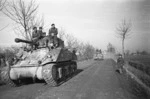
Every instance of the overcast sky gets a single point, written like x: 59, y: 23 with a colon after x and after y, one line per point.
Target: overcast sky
x: 92, y: 21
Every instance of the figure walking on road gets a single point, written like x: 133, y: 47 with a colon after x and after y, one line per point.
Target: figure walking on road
x: 120, y: 63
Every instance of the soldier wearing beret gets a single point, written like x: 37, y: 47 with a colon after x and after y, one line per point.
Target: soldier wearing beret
x: 53, y: 35
x: 34, y: 32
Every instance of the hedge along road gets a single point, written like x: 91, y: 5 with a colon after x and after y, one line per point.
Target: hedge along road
x: 98, y: 80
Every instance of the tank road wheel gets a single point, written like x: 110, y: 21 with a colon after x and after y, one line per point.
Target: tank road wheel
x: 64, y: 74
x: 71, y: 69
x: 50, y: 74
x: 67, y: 72
x: 6, y: 77
x: 55, y: 73
x: 74, y: 66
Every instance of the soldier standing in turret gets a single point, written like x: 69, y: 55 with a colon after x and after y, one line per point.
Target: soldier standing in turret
x: 53, y: 34
x: 37, y: 34
x: 34, y: 32
x: 35, y: 37
x: 40, y: 33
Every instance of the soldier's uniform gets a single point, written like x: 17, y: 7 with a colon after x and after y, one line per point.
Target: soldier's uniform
x: 34, y: 34
x: 120, y: 63
x: 37, y: 34
x: 53, y: 35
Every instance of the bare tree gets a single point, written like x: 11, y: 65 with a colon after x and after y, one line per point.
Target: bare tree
x: 89, y: 51
x: 84, y: 51
x: 123, y: 32
x: 24, y: 14
x: 2, y: 4
x: 37, y: 21
x: 4, y: 27
x: 62, y: 34
x: 71, y: 41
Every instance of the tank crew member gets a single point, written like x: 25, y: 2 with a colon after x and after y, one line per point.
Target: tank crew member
x: 53, y: 35
x: 34, y: 33
x: 40, y: 33
x: 35, y: 37
x: 37, y: 34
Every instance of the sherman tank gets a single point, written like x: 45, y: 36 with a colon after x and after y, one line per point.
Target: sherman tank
x: 98, y: 55
x: 42, y: 61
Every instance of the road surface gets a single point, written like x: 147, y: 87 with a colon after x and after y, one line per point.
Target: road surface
x: 94, y: 80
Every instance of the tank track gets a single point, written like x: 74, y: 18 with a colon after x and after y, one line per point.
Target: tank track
x: 50, y: 72
x: 48, y: 75
x: 6, y: 77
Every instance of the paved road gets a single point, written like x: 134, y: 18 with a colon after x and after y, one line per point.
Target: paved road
x: 98, y: 80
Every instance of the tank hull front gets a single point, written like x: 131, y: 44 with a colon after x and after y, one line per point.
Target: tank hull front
x: 26, y: 72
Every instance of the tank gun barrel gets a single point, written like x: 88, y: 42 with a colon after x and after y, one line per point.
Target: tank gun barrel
x: 17, y: 40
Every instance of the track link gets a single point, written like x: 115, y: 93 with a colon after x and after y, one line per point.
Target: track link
x: 48, y: 75
x: 6, y: 77
x: 51, y: 75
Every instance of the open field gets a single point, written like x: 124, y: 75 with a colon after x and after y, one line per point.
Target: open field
x: 144, y: 59
x: 139, y: 66
x: 140, y: 62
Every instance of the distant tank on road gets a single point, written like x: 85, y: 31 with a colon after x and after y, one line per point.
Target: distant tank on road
x: 98, y: 55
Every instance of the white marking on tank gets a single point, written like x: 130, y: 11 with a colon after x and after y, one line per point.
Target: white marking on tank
x: 46, y: 71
